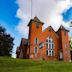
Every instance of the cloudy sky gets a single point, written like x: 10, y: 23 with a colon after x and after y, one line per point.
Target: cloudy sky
x: 15, y: 15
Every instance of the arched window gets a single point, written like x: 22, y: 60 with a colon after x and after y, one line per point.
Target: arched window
x: 36, y: 40
x: 35, y: 50
x: 37, y: 25
x: 49, y: 47
x: 66, y: 45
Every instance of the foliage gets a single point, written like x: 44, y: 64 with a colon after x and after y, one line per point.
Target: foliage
x: 23, y: 65
x: 71, y: 43
x: 6, y: 42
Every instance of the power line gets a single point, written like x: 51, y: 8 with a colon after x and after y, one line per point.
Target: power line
x: 31, y: 8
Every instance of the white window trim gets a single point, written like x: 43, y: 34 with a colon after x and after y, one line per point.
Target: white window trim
x: 36, y: 42
x: 50, y: 53
x: 34, y: 50
x: 51, y: 48
x: 50, y: 43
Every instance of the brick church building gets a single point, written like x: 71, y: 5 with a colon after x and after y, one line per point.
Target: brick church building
x: 46, y: 44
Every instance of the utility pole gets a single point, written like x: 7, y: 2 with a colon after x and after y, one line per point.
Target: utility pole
x: 31, y: 9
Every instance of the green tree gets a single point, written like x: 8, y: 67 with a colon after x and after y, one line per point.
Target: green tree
x: 6, y: 42
x: 71, y: 44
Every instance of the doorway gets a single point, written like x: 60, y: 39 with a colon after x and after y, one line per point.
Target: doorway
x: 61, y: 56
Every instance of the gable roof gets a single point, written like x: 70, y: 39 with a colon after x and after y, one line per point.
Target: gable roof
x: 62, y: 28
x: 35, y: 20
x: 24, y: 41
x: 50, y: 27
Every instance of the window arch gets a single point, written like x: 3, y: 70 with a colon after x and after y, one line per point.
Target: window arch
x: 49, y: 47
x: 36, y: 40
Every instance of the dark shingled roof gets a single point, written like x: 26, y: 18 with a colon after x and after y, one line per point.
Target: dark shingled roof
x: 63, y: 28
x: 24, y: 41
x: 36, y: 20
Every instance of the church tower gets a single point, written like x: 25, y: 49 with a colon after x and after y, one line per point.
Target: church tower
x: 64, y: 47
x: 35, y: 28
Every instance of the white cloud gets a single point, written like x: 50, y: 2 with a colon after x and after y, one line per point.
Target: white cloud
x: 56, y: 19
x: 48, y: 11
x: 23, y: 29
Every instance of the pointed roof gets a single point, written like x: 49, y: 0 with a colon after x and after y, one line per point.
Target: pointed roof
x: 24, y: 41
x: 36, y: 20
x: 63, y: 28
x: 51, y: 28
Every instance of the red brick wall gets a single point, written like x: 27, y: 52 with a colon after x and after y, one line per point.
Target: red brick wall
x: 65, y: 40
x: 59, y: 43
x: 42, y: 36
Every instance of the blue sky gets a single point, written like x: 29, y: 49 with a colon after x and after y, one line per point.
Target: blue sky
x: 9, y: 20
x: 67, y: 16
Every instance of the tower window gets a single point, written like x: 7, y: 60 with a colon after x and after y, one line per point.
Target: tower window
x: 36, y: 41
x: 37, y: 25
x: 65, y: 33
x: 66, y: 45
x: 66, y: 52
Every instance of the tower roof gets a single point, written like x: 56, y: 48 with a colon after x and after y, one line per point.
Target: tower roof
x: 35, y: 20
x: 63, y: 28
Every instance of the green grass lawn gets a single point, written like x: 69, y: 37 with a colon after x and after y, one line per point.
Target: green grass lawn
x: 21, y: 65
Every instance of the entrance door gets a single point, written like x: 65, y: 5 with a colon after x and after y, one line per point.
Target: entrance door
x: 61, y: 56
